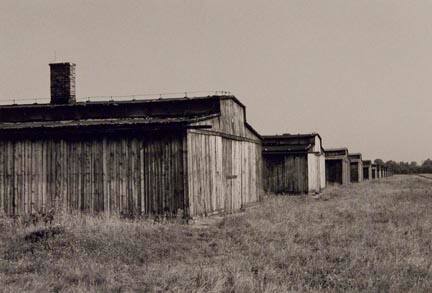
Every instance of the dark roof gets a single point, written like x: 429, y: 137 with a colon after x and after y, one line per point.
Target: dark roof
x: 288, y: 143
x: 355, y: 156
x: 336, y: 152
x: 150, y: 121
x: 284, y: 149
x: 367, y: 162
x: 291, y: 136
x: 160, y: 108
x: 336, y: 149
x: 109, y: 116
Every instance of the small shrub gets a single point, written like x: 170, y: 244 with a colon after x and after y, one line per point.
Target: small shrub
x: 44, y: 234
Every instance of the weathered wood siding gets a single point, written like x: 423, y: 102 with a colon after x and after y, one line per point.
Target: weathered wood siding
x: 231, y: 121
x: 127, y: 174
x: 204, y: 165
x: 360, y: 171
x: 322, y: 171
x: 224, y: 174
x: 367, y: 172
x: 313, y: 173
x: 356, y: 172
x: 286, y: 174
x: 316, y: 172
x: 337, y: 171
x: 224, y: 162
x: 334, y: 172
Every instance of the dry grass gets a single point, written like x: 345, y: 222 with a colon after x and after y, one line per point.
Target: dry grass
x: 374, y: 236
x: 426, y: 175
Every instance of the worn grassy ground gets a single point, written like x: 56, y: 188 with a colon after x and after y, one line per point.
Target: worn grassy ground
x: 374, y: 236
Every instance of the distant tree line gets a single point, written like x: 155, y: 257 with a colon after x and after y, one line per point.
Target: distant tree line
x: 407, y: 167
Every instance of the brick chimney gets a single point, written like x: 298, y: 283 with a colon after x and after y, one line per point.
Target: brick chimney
x: 62, y: 83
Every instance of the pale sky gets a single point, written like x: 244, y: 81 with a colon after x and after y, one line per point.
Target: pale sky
x: 357, y: 72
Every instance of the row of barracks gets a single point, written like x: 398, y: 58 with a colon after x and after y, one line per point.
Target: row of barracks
x: 196, y: 155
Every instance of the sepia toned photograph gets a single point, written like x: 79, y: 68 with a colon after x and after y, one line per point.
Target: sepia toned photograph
x: 215, y: 146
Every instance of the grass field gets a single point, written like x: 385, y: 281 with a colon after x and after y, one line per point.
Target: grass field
x: 373, y: 236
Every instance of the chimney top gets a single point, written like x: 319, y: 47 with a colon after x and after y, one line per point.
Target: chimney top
x: 62, y: 83
x: 62, y: 63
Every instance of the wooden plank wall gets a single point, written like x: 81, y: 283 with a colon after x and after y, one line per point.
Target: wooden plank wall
x: 346, y: 171
x: 285, y: 174
x: 312, y: 166
x: 134, y: 175
x: 338, y: 171
x: 204, y: 159
x: 234, y: 152
x: 367, y: 172
x: 224, y: 174
x: 314, y: 173
x: 231, y: 120
x: 360, y: 171
x: 354, y: 173
x: 322, y: 170
x: 242, y: 174
x: 334, y: 171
